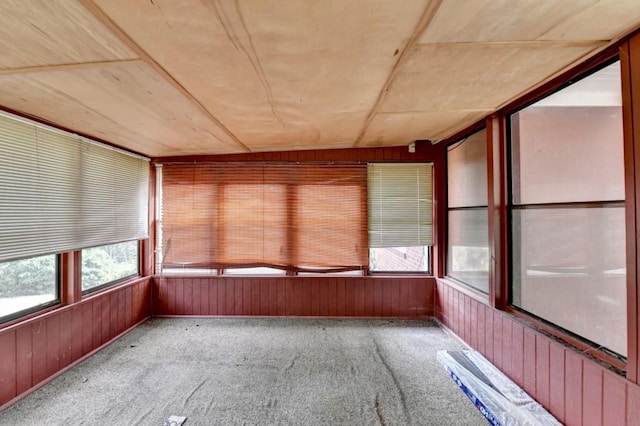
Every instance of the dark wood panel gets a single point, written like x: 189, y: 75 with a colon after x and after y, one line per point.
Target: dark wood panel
x: 326, y: 296
x: 425, y: 151
x: 40, y: 347
x: 65, y: 338
x: 556, y: 380
x: 573, y: 389
x: 517, y: 353
x: 614, y: 394
x: 592, y: 394
x: 8, y: 366
x: 52, y: 363
x: 24, y: 364
x: 633, y: 404
x: 571, y: 386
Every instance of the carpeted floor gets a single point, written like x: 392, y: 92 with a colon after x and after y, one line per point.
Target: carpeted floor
x: 259, y: 372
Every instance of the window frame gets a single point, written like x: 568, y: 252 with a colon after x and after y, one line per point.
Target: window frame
x: 482, y: 295
x: 589, y: 347
x: 368, y: 271
x: 40, y: 308
x: 111, y: 283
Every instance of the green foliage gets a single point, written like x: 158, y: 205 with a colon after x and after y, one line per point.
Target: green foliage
x: 28, y: 277
x: 104, y: 264
x: 38, y: 275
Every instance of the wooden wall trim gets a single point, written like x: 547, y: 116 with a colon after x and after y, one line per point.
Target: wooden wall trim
x: 497, y: 212
x: 425, y: 152
x: 317, y: 296
x: 630, y: 69
x: 35, y: 351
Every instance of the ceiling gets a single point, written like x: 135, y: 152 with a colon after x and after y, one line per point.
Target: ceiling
x: 188, y: 77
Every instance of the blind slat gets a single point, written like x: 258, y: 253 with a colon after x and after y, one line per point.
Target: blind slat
x: 220, y: 215
x: 400, y: 205
x: 60, y: 193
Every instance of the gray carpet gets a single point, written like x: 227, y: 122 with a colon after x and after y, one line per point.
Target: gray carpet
x: 259, y: 372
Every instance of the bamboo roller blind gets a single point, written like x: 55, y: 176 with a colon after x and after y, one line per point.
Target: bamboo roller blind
x: 289, y: 216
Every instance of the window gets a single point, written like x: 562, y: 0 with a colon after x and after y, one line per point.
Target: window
x: 27, y: 285
x: 239, y: 217
x: 567, y: 213
x: 400, y: 217
x: 106, y: 264
x: 62, y: 193
x: 468, y: 225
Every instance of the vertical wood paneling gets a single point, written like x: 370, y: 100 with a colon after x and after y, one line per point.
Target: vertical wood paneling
x: 326, y: 296
x: 53, y: 345
x: 273, y: 298
x: 633, y: 403
x: 96, y: 326
x: 614, y: 402
x: 529, y: 361
x: 517, y: 354
x: 39, y: 344
x: 65, y: 338
x: 489, y: 332
x: 473, y: 332
x: 204, y: 296
x: 497, y: 339
x: 573, y: 389
x: 222, y: 298
x: 507, y: 345
x: 113, y: 315
x: 592, y: 396
x: 482, y: 327
x: 556, y: 380
x: 104, y: 319
x: 39, y: 348
x: 230, y: 294
x: 542, y: 370
x: 378, y: 297
x: 195, y: 297
x: 128, y: 292
x: 359, y: 298
x: 8, y: 366
x: 24, y: 356
x: 76, y: 333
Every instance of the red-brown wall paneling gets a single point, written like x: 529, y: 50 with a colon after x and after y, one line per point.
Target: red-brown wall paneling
x: 35, y: 350
x: 322, y: 296
x: 575, y: 389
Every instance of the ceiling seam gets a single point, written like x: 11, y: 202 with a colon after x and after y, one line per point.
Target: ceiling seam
x: 514, y: 43
x: 115, y: 29
x: 423, y: 23
x: 68, y: 66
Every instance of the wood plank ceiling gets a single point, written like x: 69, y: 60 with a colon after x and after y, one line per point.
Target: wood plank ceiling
x: 165, y: 77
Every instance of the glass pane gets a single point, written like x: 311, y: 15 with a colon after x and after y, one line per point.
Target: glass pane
x: 467, y: 171
x: 568, y: 147
x: 27, y: 283
x: 399, y: 259
x: 263, y: 270
x: 468, y: 247
x: 569, y: 269
x: 105, y: 264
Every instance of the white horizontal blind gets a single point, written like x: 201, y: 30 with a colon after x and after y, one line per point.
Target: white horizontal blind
x: 60, y: 193
x: 400, y: 205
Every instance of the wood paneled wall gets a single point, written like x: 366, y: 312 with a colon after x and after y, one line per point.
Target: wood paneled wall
x: 322, y: 296
x: 575, y: 389
x: 33, y: 352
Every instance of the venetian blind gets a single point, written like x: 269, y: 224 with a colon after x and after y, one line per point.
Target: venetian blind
x: 229, y: 215
x: 400, y: 205
x: 61, y: 193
